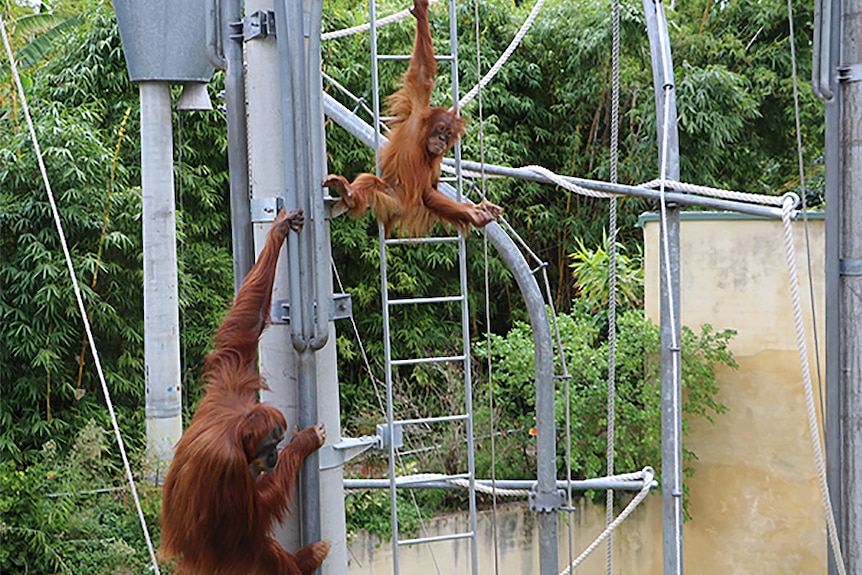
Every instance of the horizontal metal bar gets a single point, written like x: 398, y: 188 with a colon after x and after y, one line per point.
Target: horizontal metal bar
x: 436, y: 483
x: 467, y: 535
x: 622, y: 189
x: 439, y: 419
x: 421, y: 300
x: 417, y: 241
x: 418, y: 360
x: 406, y: 481
x: 405, y: 57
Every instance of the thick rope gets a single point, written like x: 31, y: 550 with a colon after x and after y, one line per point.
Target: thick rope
x: 745, y: 197
x: 77, y: 289
x: 504, y: 57
x: 612, y: 275
x: 647, y: 475
x: 813, y: 427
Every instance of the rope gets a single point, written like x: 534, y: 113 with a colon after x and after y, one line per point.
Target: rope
x: 804, y: 207
x: 715, y: 192
x: 504, y: 57
x: 366, y: 27
x: 647, y: 475
x: 487, y: 286
x: 612, y: 275
x: 813, y: 427
x: 77, y: 289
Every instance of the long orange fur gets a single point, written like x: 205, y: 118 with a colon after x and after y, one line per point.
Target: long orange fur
x: 215, y: 514
x: 406, y: 194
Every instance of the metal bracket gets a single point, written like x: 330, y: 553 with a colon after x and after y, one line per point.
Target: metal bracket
x: 850, y: 267
x: 547, y: 501
x: 341, y: 307
x: 851, y: 73
x: 384, y: 435
x: 260, y: 24
x: 265, y: 209
x: 349, y: 447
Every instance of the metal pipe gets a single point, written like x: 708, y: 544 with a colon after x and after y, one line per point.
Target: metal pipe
x: 524, y: 484
x: 671, y: 368
x: 362, y: 131
x: 231, y: 55
x: 320, y: 231
x: 291, y: 39
x: 833, y: 422
x: 214, y: 35
x: 291, y: 196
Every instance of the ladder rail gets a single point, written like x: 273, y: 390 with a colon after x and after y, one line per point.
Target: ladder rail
x: 388, y: 303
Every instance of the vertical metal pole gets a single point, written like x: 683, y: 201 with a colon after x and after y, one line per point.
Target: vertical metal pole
x: 237, y: 142
x: 824, y: 86
x: 671, y: 369
x: 161, y: 307
x: 850, y: 282
x: 278, y: 361
x: 824, y: 82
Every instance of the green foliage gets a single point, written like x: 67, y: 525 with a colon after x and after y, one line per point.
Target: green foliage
x: 638, y: 415
x: 81, y: 102
x: 591, y: 272
x: 52, y: 520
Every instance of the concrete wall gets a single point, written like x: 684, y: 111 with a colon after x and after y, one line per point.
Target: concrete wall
x: 754, y: 497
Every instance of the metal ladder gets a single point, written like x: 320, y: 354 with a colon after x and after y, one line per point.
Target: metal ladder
x: 395, y: 428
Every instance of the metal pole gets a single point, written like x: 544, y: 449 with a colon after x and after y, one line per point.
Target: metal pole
x: 850, y: 279
x: 278, y: 362
x: 671, y: 369
x: 161, y: 309
x: 824, y: 81
x: 350, y: 122
x: 237, y: 141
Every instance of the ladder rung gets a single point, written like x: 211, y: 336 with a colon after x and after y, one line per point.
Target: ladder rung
x: 418, y: 360
x: 420, y: 300
x: 417, y: 241
x: 439, y: 419
x: 466, y: 535
x: 397, y: 57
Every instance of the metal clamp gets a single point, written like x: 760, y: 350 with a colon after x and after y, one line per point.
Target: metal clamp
x: 340, y: 307
x: 265, y: 209
x: 397, y: 435
x: 851, y: 73
x: 258, y: 25
x: 547, y: 501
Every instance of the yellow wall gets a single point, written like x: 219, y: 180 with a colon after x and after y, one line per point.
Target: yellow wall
x: 754, y: 497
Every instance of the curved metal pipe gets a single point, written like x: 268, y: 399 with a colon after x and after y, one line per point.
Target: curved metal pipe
x: 316, y: 173
x: 544, y: 358
x: 214, y: 35
x: 291, y: 196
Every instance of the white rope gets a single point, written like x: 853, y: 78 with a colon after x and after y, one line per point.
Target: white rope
x: 813, y: 427
x: 367, y: 26
x: 647, y: 475
x: 715, y: 192
x: 558, y: 180
x: 505, y: 56
x: 76, y: 288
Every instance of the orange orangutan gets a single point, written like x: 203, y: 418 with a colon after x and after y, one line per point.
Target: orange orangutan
x: 228, y: 482
x: 406, y: 193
